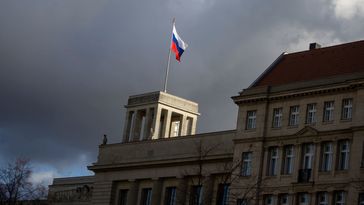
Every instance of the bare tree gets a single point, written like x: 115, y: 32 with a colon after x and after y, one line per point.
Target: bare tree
x: 228, y: 173
x: 15, y: 184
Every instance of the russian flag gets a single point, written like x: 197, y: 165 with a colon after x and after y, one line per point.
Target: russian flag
x: 178, y: 46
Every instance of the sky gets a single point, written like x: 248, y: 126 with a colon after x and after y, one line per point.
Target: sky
x: 68, y: 67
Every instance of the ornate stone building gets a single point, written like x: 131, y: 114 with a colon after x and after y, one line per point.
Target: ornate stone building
x: 298, y: 140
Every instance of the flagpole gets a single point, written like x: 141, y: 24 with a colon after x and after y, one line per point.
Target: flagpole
x: 169, y: 59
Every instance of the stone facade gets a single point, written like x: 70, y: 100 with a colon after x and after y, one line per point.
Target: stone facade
x: 296, y: 143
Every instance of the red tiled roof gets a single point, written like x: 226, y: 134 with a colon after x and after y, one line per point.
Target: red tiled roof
x: 315, y: 64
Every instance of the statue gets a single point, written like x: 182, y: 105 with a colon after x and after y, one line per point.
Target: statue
x: 104, y: 141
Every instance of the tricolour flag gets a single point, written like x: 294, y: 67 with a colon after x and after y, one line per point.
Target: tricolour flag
x: 178, y: 46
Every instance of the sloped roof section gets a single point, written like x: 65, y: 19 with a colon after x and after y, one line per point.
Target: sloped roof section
x: 315, y: 64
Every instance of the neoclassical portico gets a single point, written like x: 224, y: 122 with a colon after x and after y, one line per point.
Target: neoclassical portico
x: 159, y: 115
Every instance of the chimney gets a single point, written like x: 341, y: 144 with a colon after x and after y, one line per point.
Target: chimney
x: 314, y: 46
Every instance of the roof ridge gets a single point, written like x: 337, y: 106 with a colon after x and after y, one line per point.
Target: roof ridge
x: 325, y: 48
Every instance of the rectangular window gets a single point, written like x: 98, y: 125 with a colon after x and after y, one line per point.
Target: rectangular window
x: 340, y: 198
x: 307, y: 155
x: 273, y: 161
x: 283, y: 199
x: 288, y: 159
x: 196, y: 195
x: 328, y: 111
x: 361, y: 199
x: 170, y: 196
x: 222, y: 194
x: 277, y: 117
x: 311, y: 113
x: 268, y: 200
x: 294, y: 115
x: 344, y: 151
x: 123, y: 196
x: 146, y: 197
x: 322, y: 198
x: 246, y: 166
x: 251, y: 118
x: 326, y: 156
x: 347, y: 108
x: 303, y: 199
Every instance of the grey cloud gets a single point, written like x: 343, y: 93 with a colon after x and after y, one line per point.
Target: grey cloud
x: 67, y: 67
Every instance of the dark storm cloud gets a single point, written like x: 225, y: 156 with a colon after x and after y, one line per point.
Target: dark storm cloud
x: 67, y: 67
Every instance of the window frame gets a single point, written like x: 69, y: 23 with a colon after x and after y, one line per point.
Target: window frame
x: 246, y: 164
x: 288, y: 160
x: 196, y: 197
x: 170, y: 195
x: 281, y: 197
x: 342, y: 200
x: 326, y: 156
x: 302, y: 195
x: 328, y: 112
x: 326, y: 198
x: 123, y: 196
x: 273, y: 161
x: 268, y: 197
x: 347, y: 109
x: 277, y: 117
x: 311, y: 113
x: 222, y: 197
x: 310, y: 156
x: 294, y: 115
x: 343, y: 155
x: 251, y: 120
x: 146, y: 196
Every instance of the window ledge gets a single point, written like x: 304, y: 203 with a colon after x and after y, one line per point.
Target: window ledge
x: 328, y: 122
x: 346, y: 120
x: 292, y: 126
x: 250, y: 130
x: 325, y: 172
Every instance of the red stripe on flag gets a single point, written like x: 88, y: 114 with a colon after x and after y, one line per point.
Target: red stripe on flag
x: 175, y: 50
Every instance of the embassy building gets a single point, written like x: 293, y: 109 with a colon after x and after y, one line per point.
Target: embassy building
x: 298, y: 140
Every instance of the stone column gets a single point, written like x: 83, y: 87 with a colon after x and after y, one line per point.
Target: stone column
x: 125, y: 131
x: 136, y: 126
x: 146, y: 128
x: 184, y: 126
x: 167, y: 124
x: 194, y: 123
x: 133, y: 193
x: 127, y: 125
x: 156, y: 122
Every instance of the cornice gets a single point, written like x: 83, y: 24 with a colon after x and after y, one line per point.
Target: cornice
x: 300, y: 89
x: 299, y: 134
